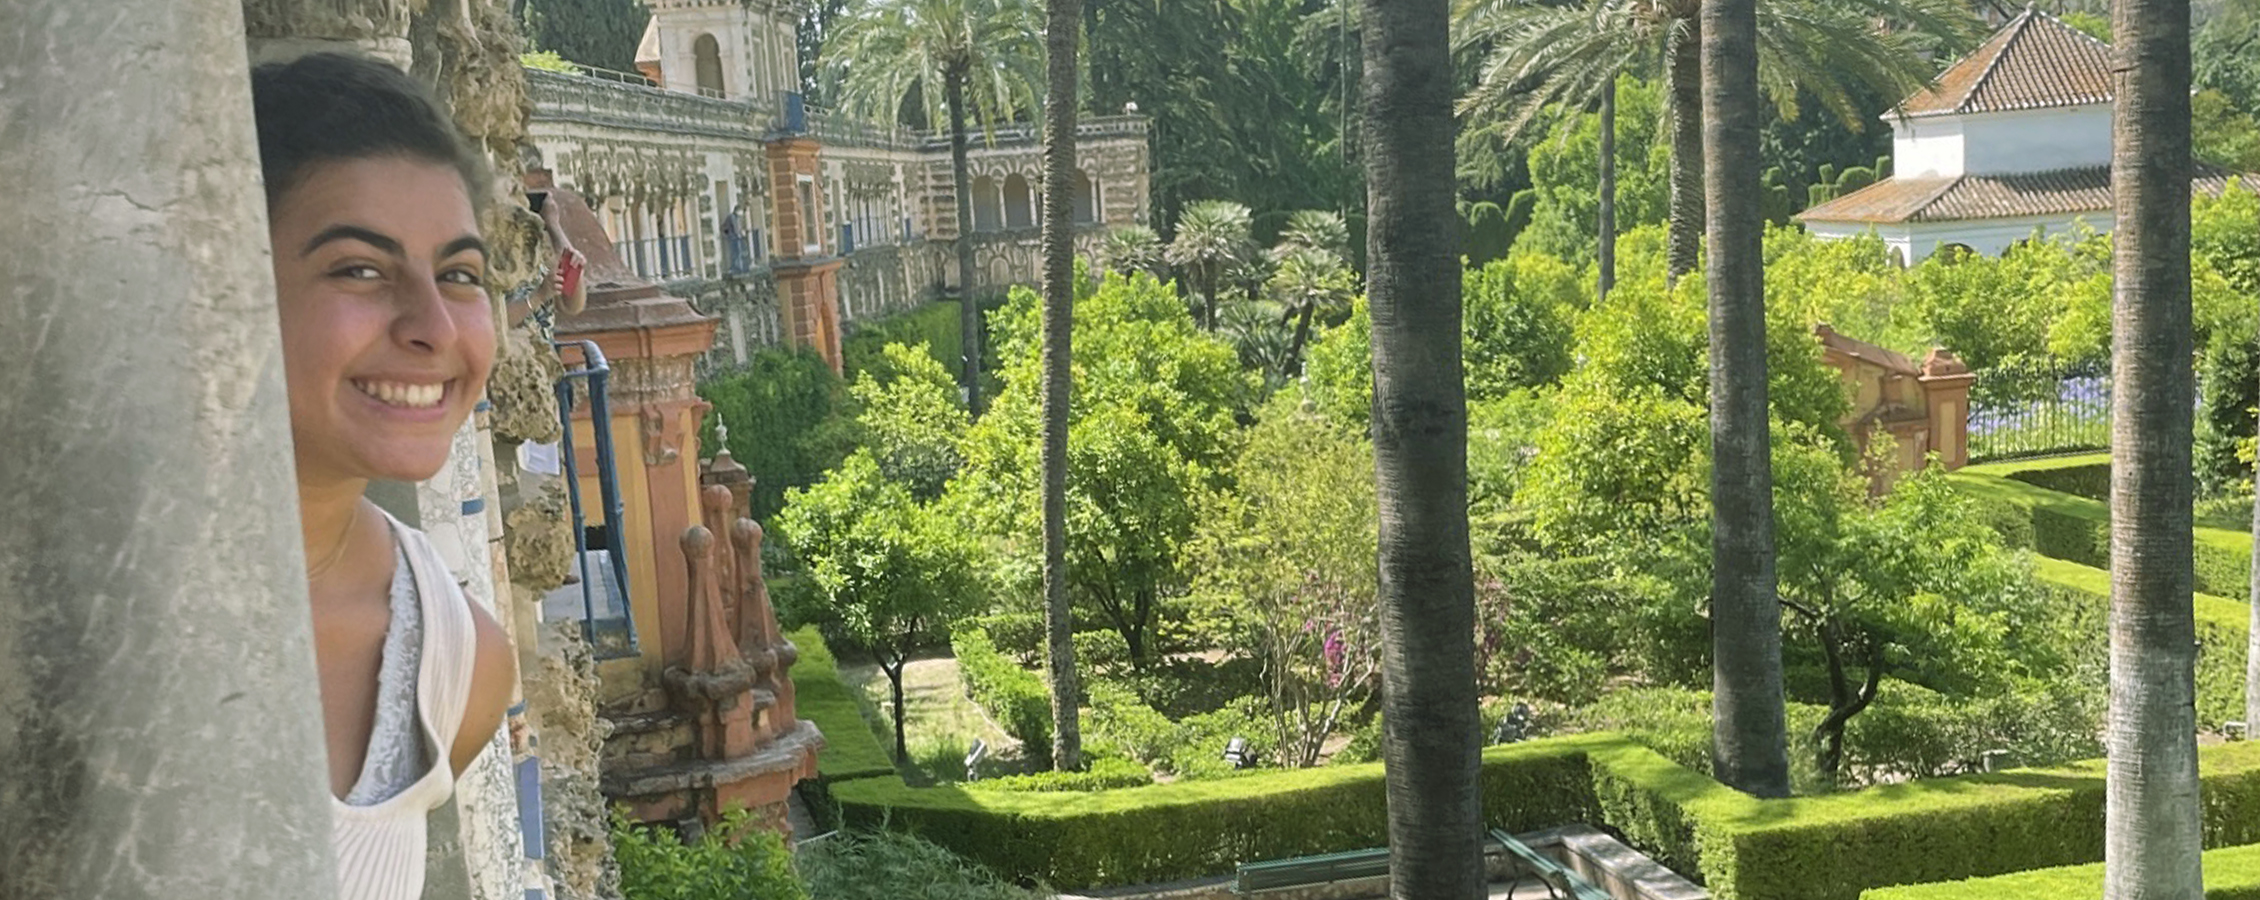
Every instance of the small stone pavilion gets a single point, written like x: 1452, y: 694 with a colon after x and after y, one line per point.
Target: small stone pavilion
x: 701, y: 714
x: 1924, y: 408
x: 2012, y: 141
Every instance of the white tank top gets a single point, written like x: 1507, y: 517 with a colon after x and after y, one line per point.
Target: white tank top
x: 379, y: 835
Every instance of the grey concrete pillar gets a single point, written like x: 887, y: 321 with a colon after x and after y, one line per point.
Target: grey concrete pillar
x: 160, y: 733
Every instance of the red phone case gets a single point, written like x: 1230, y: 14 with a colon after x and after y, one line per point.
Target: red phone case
x: 570, y: 268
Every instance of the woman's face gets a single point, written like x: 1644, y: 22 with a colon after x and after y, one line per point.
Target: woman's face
x: 387, y: 332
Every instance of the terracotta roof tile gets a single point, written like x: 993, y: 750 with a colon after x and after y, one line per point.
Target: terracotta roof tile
x: 2034, y: 62
x: 1896, y: 200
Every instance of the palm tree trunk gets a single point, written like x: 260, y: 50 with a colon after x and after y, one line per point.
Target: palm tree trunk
x: 1685, y: 105
x: 1060, y: 35
x: 1432, y: 745
x: 1302, y: 336
x: 1749, y: 743
x: 969, y: 304
x: 1605, y: 223
x: 2151, y: 815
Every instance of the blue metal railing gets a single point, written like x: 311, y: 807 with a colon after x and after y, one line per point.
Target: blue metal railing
x: 847, y: 240
x: 609, y: 636
x: 796, y: 113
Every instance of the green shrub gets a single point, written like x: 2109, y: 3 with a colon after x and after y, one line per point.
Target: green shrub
x: 1106, y: 773
x: 732, y: 861
x: 1017, y: 698
x: 790, y: 417
x: 886, y: 865
x: 1192, y: 747
x: 1487, y: 235
x: 2231, y: 873
x: 935, y: 326
x: 1019, y: 634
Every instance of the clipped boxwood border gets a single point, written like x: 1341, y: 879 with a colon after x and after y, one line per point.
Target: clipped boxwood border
x: 2078, y: 529
x: 2222, y: 627
x: 1830, y: 847
x: 2231, y: 873
x: 850, y: 749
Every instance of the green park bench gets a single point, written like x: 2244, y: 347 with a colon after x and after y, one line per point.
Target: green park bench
x: 1274, y: 874
x: 1559, y: 880
x: 1324, y: 868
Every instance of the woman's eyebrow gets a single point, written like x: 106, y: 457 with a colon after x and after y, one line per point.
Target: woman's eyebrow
x: 466, y: 242
x: 352, y: 233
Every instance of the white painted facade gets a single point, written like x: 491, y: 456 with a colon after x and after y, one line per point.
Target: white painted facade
x: 2002, y: 143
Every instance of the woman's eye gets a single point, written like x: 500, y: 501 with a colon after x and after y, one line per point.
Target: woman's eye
x: 358, y: 273
x: 463, y: 277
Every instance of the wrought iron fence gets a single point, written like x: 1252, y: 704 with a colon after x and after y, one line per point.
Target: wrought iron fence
x: 2034, y: 408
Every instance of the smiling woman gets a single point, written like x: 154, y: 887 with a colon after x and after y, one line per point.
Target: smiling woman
x: 388, y: 337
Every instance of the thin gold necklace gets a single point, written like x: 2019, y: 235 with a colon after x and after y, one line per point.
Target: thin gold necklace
x: 317, y: 572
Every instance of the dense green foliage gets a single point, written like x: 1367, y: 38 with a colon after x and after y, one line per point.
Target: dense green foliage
x: 791, y: 419
x: 1152, y: 430
x: 933, y: 326
x: 1287, y: 571
x: 889, y: 865
x: 735, y: 860
x: 600, y: 33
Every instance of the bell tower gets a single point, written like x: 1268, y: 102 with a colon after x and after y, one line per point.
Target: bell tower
x: 741, y: 49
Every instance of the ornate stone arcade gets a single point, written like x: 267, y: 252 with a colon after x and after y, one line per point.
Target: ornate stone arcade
x: 684, y: 173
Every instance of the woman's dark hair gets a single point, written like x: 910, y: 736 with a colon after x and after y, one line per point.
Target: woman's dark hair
x: 329, y: 107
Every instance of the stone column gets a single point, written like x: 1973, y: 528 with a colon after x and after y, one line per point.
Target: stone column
x: 1946, y: 384
x: 159, y: 731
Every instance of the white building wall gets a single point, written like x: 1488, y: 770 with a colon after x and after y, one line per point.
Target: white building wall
x: 1926, y: 148
x: 2038, y: 140
x: 2042, y: 140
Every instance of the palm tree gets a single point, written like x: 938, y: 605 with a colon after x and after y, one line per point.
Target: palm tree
x: 982, y: 54
x: 1309, y: 280
x: 1062, y: 32
x: 1316, y: 229
x: 2151, y: 813
x: 1549, y: 54
x: 1212, y: 235
x: 1750, y: 731
x: 1432, y: 745
x: 1132, y: 248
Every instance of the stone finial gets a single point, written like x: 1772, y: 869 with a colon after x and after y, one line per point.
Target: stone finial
x: 721, y: 436
x: 1942, y: 361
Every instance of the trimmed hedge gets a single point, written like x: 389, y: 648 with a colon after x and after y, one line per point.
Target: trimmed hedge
x: 1192, y: 828
x: 2078, y: 529
x: 1106, y: 773
x: 2231, y: 873
x: 1816, y: 848
x: 1015, y: 697
x: 850, y: 749
x: 2222, y: 627
x: 1829, y: 847
x: 2087, y: 475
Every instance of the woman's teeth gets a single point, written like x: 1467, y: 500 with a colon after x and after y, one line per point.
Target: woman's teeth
x: 410, y: 396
